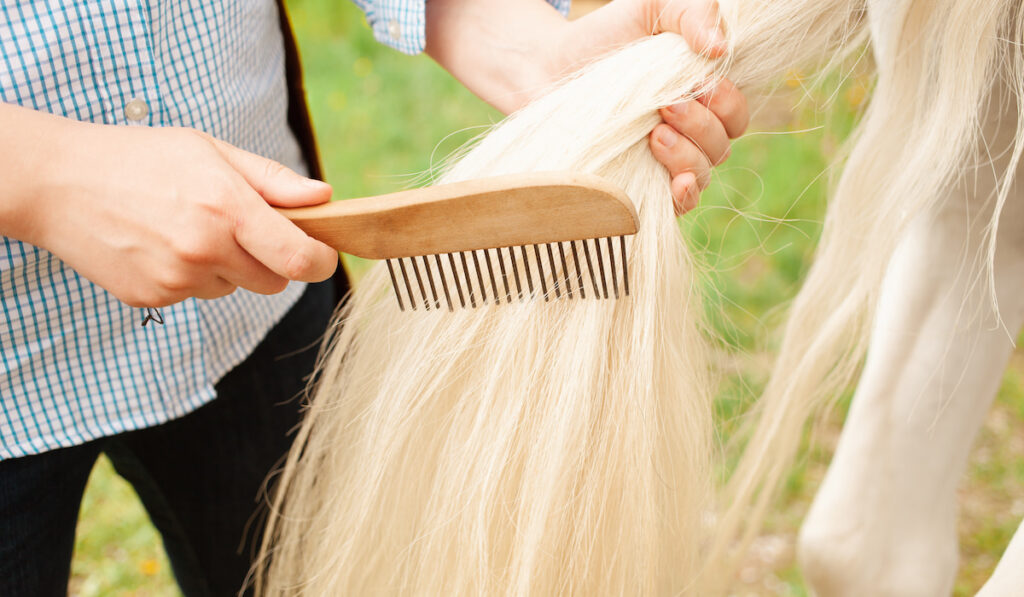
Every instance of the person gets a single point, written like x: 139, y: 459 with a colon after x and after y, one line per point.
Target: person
x: 143, y: 146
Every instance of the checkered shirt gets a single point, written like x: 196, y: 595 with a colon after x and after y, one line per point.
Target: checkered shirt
x: 402, y: 24
x: 75, y: 364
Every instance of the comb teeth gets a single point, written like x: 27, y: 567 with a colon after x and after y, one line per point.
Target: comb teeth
x: 554, y: 271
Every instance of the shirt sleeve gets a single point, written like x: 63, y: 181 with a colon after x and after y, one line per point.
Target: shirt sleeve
x: 401, y: 24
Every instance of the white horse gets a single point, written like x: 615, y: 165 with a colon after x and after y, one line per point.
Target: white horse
x: 884, y: 520
x: 566, y: 458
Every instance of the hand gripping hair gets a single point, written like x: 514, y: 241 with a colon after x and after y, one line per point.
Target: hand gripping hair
x: 567, y: 447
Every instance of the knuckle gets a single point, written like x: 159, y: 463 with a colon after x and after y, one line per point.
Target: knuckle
x: 725, y: 156
x: 272, y: 169
x: 237, y: 223
x: 217, y: 291
x: 215, y: 203
x: 692, y: 156
x: 703, y: 178
x: 189, y: 136
x: 134, y: 300
x: 213, y: 209
x: 733, y: 112
x: 175, y: 281
x: 147, y: 297
x: 192, y: 131
x: 727, y: 108
x: 223, y: 187
x: 703, y: 124
x: 197, y: 250
x: 299, y: 264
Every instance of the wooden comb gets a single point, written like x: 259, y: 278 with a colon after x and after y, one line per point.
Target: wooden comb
x: 497, y: 223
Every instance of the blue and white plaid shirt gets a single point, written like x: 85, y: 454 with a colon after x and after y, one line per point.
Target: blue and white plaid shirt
x: 402, y: 23
x: 75, y: 364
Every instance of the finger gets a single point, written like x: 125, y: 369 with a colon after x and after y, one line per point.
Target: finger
x: 216, y: 287
x: 729, y: 104
x: 244, y: 271
x: 685, y: 193
x: 696, y: 122
x: 277, y: 184
x: 698, y: 21
x: 279, y: 245
x: 679, y: 154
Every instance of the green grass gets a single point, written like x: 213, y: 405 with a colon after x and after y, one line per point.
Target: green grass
x: 117, y: 550
x: 384, y: 119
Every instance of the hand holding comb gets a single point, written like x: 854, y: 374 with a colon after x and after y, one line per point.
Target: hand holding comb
x: 504, y: 220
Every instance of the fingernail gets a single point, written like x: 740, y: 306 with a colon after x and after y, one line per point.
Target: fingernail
x: 716, y: 38
x: 692, y: 198
x: 681, y: 186
x: 313, y: 183
x: 666, y: 137
x: 680, y: 108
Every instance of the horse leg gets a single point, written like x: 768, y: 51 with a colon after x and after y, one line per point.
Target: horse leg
x: 1008, y: 578
x: 884, y: 519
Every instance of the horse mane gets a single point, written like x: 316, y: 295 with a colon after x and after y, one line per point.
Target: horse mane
x: 567, y: 447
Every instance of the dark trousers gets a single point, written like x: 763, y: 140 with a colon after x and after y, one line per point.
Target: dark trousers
x: 199, y: 477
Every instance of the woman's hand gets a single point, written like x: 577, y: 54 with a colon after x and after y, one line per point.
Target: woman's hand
x: 507, y: 52
x: 157, y: 215
x: 620, y: 22
x: 694, y: 138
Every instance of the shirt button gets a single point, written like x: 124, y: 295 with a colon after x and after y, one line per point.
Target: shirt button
x: 394, y: 29
x: 136, y: 110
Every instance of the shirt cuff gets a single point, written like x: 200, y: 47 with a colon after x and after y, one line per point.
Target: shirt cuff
x: 402, y: 24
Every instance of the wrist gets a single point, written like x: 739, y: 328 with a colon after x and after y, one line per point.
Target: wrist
x: 502, y: 51
x: 30, y: 151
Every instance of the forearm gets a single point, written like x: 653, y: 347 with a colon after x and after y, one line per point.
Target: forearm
x: 155, y: 214
x: 29, y: 144
x: 509, y: 51
x: 501, y: 50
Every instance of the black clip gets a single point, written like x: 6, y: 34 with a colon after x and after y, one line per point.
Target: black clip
x: 153, y: 314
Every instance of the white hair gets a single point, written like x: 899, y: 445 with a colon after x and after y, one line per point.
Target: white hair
x: 567, y: 447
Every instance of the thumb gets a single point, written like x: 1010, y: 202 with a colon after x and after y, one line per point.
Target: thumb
x: 698, y: 21
x: 277, y: 184
x: 621, y: 22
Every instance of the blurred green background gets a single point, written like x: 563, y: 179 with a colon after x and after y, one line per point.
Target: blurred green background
x: 384, y: 119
